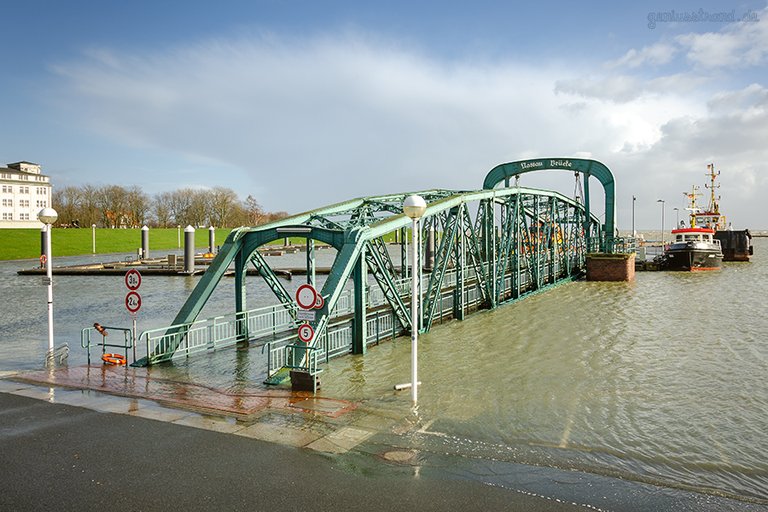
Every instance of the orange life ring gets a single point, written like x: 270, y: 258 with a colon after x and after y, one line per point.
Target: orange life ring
x: 114, y: 359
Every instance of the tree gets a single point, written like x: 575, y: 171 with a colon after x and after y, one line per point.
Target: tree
x: 113, y: 203
x: 67, y: 203
x: 90, y: 212
x: 253, y: 210
x: 137, y: 205
x: 161, y: 207
x: 180, y: 202
x: 223, y: 206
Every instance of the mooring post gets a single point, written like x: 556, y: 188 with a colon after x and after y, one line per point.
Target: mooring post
x: 145, y: 242
x: 189, y: 250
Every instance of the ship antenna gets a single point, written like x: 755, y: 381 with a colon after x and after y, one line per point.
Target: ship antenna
x: 713, y: 201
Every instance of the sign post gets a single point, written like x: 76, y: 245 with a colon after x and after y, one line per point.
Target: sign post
x: 133, y: 300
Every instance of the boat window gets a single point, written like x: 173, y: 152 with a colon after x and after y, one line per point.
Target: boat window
x: 689, y: 238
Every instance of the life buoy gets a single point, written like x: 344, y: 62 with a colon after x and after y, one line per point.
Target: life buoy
x: 114, y: 359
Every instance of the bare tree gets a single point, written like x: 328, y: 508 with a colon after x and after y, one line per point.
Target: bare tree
x: 180, y: 202
x: 223, y: 203
x: 90, y: 212
x: 161, y: 208
x: 200, y: 208
x: 67, y: 203
x: 253, y: 211
x: 137, y: 204
x: 114, y: 206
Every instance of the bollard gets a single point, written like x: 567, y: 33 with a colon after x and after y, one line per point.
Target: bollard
x: 189, y: 249
x: 211, y: 239
x: 145, y: 242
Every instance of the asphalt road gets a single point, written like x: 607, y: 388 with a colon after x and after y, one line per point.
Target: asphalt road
x: 57, y: 457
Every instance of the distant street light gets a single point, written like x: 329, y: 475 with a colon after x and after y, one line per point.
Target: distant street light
x: 48, y: 216
x: 414, y: 207
x: 93, y: 237
x: 633, y: 216
x: 662, y: 221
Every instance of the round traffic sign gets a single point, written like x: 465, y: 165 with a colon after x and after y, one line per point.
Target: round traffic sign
x: 133, y: 279
x: 306, y: 296
x: 306, y: 332
x: 133, y: 302
x: 319, y: 302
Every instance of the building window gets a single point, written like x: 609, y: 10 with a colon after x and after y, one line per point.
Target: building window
x: 5, y: 176
x: 42, y: 191
x: 24, y: 216
x: 7, y: 202
x: 7, y: 216
x: 24, y: 203
x: 42, y: 204
x: 7, y: 189
x: 24, y: 190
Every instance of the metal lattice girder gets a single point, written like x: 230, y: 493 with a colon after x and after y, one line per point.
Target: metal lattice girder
x: 441, y: 264
x: 471, y: 234
x: 352, y: 226
x: 274, y: 283
x: 383, y: 273
x: 585, y: 166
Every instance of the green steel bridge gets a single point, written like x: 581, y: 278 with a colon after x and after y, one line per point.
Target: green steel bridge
x: 479, y: 249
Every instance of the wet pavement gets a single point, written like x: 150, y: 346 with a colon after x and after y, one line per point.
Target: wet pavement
x: 171, y: 445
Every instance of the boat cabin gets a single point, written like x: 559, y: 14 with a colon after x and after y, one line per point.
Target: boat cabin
x: 693, y: 236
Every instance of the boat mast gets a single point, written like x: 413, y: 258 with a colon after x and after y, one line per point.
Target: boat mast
x: 692, y: 204
x: 714, y: 207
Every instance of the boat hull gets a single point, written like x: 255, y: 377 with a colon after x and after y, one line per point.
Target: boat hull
x: 736, y: 245
x: 692, y: 260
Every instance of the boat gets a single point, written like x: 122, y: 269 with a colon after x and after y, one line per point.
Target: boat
x: 695, y: 246
x: 693, y: 249
x: 736, y: 245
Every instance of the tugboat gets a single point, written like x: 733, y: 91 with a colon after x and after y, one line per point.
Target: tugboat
x: 735, y: 244
x: 693, y: 249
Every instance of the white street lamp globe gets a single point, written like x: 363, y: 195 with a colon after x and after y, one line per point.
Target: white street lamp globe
x: 414, y: 206
x: 47, y: 216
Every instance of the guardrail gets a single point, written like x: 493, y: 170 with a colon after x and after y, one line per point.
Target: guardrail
x: 86, y: 340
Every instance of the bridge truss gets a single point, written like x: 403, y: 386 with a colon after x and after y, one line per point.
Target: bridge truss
x: 480, y: 249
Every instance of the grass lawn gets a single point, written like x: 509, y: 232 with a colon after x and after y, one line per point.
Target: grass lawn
x: 16, y: 244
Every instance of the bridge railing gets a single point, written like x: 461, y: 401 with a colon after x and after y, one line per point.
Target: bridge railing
x: 276, y: 322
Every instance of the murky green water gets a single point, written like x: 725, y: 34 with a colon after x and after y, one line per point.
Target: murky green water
x: 660, y: 380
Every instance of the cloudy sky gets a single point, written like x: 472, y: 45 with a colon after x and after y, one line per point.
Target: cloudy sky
x: 306, y: 103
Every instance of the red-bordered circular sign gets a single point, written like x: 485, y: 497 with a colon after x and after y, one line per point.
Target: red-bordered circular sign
x: 306, y: 296
x: 133, y: 279
x: 306, y: 332
x: 320, y: 302
x: 133, y: 302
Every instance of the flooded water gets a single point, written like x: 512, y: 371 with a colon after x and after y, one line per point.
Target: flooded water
x: 661, y: 380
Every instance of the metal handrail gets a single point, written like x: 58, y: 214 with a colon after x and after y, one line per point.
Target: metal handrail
x: 85, y: 340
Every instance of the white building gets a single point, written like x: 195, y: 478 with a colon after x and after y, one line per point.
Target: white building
x: 24, y: 191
